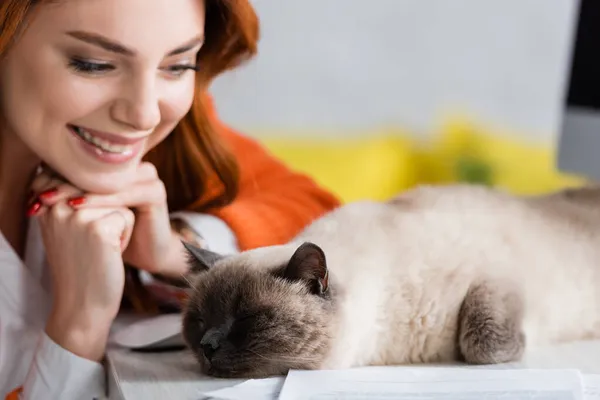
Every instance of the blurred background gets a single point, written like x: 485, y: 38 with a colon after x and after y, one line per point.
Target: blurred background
x: 373, y: 97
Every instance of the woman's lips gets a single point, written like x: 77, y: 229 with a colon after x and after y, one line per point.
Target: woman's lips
x: 107, y: 147
x: 111, y: 137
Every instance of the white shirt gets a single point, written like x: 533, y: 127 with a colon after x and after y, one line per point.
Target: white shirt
x: 28, y: 357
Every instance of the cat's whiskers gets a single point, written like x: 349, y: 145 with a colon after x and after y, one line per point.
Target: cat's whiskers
x: 258, y: 354
x: 187, y: 280
x: 284, y: 358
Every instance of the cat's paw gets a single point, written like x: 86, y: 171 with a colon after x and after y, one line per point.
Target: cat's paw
x: 490, y: 325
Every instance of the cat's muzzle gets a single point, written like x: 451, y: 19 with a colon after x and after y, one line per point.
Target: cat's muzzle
x: 211, y: 342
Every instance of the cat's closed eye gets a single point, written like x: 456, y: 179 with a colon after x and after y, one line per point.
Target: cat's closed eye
x: 199, y: 322
x: 245, y: 321
x: 240, y: 328
x: 245, y: 317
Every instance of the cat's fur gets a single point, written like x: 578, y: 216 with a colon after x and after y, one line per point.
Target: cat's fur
x: 436, y: 274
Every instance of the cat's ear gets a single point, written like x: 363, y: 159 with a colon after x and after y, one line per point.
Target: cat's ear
x: 200, y: 259
x: 308, y: 263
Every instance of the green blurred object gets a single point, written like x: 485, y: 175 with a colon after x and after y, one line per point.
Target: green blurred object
x: 474, y: 171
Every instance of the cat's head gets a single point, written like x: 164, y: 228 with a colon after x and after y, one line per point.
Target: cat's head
x: 261, y: 312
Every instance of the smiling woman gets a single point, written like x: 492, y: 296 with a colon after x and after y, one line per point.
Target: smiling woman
x: 110, y: 154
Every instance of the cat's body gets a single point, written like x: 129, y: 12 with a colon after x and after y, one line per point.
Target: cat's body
x: 436, y: 274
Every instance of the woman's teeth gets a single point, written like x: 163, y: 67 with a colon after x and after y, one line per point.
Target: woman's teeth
x: 102, y: 144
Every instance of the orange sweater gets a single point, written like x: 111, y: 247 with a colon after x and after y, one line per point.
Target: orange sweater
x: 274, y: 203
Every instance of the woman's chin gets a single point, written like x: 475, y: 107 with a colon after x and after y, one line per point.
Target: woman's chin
x: 95, y: 178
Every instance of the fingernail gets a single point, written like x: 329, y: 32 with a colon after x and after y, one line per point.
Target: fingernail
x: 34, y: 208
x: 48, y: 194
x: 76, y: 201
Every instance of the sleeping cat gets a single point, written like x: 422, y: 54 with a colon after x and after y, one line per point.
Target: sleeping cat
x: 436, y: 274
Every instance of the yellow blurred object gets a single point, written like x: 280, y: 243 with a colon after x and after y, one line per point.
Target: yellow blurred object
x: 378, y: 165
x: 514, y: 164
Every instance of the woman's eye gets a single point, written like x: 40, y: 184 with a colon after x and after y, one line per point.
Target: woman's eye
x: 95, y: 68
x: 90, y: 67
x: 179, y: 70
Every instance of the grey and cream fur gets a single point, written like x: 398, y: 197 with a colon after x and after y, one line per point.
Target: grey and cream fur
x: 436, y: 274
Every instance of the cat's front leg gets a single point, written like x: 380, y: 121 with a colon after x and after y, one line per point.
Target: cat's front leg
x: 490, y: 321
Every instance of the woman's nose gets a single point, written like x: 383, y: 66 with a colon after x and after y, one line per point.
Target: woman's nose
x: 139, y: 105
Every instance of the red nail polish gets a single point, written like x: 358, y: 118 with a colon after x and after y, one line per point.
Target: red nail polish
x: 34, y: 208
x: 48, y: 194
x: 76, y: 201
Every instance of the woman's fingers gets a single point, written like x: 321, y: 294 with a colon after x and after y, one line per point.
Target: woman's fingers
x: 119, y: 221
x: 142, y: 194
x: 59, y: 192
x: 48, y: 190
x: 42, y: 182
x: 123, y: 221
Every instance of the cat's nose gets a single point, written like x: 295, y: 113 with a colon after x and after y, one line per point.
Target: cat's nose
x: 210, y: 343
x: 209, y: 350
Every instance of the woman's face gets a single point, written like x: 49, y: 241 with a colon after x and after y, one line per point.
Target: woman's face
x: 92, y: 85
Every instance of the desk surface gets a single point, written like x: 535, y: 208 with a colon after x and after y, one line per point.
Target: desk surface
x: 175, y: 375
x: 166, y: 375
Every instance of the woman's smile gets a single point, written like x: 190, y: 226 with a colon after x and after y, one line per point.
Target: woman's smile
x: 107, y: 147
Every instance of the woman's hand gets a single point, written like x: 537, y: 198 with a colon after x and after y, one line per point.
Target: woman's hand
x: 154, y: 246
x: 84, y: 252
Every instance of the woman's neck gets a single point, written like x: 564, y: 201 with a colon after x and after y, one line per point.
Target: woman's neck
x: 17, y: 166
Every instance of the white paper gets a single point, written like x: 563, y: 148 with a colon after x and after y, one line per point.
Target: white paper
x: 591, y: 387
x: 408, y: 383
x: 255, y: 389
